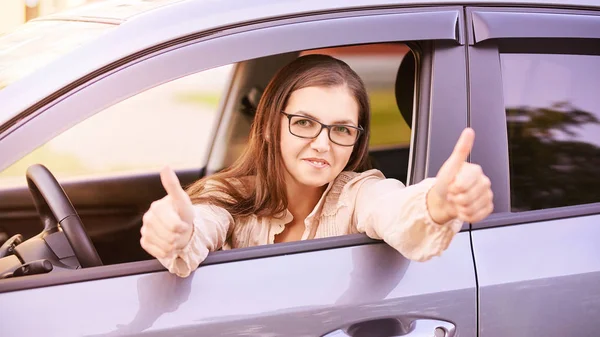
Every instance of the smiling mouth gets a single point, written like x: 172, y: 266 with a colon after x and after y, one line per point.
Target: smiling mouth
x: 318, y: 163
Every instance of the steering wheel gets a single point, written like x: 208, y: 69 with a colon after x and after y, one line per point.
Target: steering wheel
x: 55, y: 208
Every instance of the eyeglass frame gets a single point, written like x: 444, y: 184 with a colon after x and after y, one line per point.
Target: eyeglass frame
x: 323, y: 126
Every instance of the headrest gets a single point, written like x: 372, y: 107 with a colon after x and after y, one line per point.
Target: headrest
x: 250, y: 101
x: 405, y: 87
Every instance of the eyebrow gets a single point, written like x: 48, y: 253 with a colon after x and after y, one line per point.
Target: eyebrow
x: 342, y: 121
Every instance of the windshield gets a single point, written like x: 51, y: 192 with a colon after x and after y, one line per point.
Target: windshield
x: 36, y: 44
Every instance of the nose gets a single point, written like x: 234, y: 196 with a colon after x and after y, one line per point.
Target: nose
x: 321, y: 142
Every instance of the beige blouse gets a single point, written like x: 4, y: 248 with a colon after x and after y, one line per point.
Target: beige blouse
x: 365, y: 202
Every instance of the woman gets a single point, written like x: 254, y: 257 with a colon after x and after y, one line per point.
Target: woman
x: 303, y: 176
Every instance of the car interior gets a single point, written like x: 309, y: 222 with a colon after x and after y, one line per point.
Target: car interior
x: 100, y: 218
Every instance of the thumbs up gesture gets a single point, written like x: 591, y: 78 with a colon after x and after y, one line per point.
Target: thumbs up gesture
x: 168, y: 224
x: 461, y: 189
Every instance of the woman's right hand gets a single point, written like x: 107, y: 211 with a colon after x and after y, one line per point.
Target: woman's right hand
x: 168, y: 224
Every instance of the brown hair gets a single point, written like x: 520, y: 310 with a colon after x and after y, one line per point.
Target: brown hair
x: 262, y: 157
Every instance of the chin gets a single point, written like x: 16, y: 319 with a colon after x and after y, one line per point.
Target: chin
x: 315, y: 180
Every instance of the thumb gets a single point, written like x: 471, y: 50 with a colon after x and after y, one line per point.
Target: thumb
x: 459, y: 156
x: 171, y: 184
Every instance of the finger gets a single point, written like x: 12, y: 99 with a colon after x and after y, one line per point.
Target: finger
x: 170, y: 221
x: 151, y: 219
x: 152, y: 223
x: 484, y: 213
x: 152, y: 249
x: 151, y: 236
x: 159, y: 233
x: 481, y: 188
x: 459, y: 156
x: 463, y: 147
x: 469, y: 178
x: 479, y: 215
x: 473, y: 207
x: 171, y: 184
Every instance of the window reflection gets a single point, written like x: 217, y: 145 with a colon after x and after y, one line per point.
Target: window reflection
x: 553, y: 116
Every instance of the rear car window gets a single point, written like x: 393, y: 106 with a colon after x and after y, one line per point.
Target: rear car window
x: 553, y: 118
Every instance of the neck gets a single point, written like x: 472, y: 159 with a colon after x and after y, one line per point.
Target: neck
x: 302, y: 199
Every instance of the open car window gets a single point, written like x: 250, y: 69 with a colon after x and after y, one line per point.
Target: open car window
x: 169, y: 124
x: 109, y: 162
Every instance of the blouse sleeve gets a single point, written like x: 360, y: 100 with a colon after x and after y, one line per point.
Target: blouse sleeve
x: 387, y: 210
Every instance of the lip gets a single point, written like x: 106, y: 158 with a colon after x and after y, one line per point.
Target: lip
x: 312, y: 162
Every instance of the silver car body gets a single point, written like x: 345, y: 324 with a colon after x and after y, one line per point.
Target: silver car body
x: 514, y: 274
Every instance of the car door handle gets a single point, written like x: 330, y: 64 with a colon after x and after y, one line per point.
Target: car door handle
x: 390, y: 327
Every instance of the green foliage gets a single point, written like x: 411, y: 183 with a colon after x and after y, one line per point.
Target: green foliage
x: 387, y: 124
x: 210, y: 99
x: 548, y: 168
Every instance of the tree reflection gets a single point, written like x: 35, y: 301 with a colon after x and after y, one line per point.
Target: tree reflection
x: 550, y: 164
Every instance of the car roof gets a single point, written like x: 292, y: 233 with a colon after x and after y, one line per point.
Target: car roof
x: 123, y: 10
x: 109, y: 11
x: 142, y: 24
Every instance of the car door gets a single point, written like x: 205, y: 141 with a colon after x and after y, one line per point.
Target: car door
x: 534, y: 79
x: 341, y: 286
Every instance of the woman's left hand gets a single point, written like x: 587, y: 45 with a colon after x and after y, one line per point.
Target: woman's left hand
x: 461, y: 189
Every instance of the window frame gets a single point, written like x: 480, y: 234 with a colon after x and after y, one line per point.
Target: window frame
x: 440, y: 105
x: 491, y: 32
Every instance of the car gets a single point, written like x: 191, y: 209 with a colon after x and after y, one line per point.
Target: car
x: 96, y: 100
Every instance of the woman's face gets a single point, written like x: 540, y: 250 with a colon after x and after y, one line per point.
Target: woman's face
x: 316, y: 162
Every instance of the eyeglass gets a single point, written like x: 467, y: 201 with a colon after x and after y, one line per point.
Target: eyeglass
x: 307, y: 127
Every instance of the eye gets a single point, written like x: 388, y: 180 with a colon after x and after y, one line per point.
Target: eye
x: 341, y: 129
x: 303, y: 122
